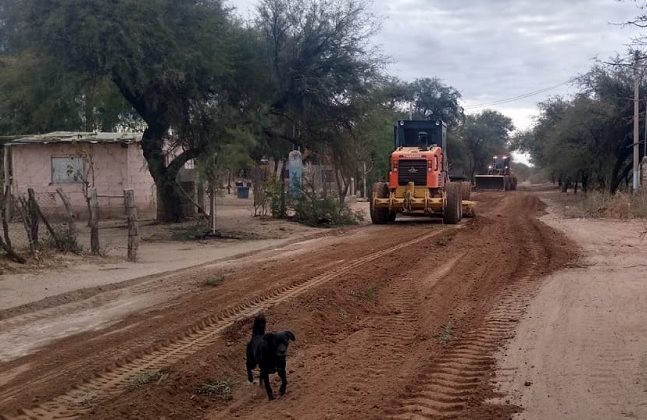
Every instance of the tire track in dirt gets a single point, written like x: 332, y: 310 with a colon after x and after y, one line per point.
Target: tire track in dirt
x: 446, y: 387
x: 396, y: 332
x: 198, y: 337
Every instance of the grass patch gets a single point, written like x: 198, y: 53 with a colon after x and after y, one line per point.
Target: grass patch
x: 143, y: 379
x: 370, y: 293
x: 213, y: 280
x: 447, y: 334
x: 220, y: 389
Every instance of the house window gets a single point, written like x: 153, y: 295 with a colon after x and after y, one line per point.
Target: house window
x: 68, y: 169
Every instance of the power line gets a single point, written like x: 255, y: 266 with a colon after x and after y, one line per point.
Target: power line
x: 522, y: 96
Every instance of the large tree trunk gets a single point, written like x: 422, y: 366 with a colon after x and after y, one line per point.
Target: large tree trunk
x: 169, y: 208
x: 169, y: 196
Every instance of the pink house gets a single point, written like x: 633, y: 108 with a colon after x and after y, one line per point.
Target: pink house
x: 109, y: 162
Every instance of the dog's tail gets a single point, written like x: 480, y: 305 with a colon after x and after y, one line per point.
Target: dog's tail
x: 259, y: 325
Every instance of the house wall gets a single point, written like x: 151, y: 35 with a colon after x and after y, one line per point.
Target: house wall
x: 115, y: 167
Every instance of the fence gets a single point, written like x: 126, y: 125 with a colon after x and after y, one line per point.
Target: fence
x: 64, y: 231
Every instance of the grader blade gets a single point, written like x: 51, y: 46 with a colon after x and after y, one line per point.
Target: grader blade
x: 489, y: 182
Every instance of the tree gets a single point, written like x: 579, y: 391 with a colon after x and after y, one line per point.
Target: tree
x: 165, y: 58
x: 484, y: 135
x: 322, y: 71
x: 432, y: 99
x: 34, y: 99
x: 587, y: 139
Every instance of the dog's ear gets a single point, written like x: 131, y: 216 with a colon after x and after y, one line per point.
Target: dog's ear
x: 290, y: 335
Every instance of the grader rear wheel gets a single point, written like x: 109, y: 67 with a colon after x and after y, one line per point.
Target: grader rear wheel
x: 453, y: 206
x: 466, y: 190
x: 380, y: 215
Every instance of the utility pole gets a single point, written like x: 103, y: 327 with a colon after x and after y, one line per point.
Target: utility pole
x: 636, y: 136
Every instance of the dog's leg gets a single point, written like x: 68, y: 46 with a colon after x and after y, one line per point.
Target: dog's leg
x: 284, y: 380
x: 250, y: 377
x: 265, y: 377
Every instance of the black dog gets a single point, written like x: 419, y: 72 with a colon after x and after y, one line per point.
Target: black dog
x: 268, y: 351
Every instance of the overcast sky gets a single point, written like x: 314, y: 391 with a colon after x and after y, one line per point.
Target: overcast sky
x: 497, y: 49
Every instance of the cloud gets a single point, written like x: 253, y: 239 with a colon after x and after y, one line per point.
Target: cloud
x: 497, y: 49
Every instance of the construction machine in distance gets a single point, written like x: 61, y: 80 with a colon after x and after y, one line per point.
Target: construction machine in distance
x: 419, y: 180
x: 499, y: 176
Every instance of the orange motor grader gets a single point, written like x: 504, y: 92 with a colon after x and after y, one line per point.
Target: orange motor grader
x: 419, y: 181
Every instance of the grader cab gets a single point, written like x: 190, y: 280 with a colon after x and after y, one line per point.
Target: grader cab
x: 418, y: 181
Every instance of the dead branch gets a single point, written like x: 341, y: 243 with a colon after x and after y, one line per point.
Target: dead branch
x: 71, y: 228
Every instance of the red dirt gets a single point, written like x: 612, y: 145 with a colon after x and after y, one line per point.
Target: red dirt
x: 384, y: 327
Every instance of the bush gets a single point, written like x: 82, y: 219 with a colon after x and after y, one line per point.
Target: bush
x: 315, y: 210
x: 273, y: 198
x: 310, y: 208
x: 66, y: 242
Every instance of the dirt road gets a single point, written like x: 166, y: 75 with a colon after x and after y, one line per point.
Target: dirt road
x: 401, y: 321
x: 579, y: 352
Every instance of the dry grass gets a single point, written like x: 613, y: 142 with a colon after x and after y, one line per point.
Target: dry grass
x: 604, y: 205
x: 220, y: 389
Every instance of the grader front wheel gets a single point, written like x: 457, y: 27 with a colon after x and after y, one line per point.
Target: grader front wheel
x: 380, y: 215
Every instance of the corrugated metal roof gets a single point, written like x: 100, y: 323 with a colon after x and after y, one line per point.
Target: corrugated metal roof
x: 76, y: 137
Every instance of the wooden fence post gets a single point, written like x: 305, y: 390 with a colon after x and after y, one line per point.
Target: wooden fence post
x: 23, y: 210
x: 133, y: 225
x: 33, y: 214
x: 6, y: 214
x: 94, y: 221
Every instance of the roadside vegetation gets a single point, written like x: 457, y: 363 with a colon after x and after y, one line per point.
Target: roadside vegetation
x: 600, y: 204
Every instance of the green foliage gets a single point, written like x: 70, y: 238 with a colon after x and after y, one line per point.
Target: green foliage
x: 274, y: 193
x: 432, y: 99
x: 322, y: 70
x: 588, y: 138
x: 323, y: 211
x: 484, y: 135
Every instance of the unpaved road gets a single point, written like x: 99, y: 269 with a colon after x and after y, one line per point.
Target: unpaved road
x: 581, y: 349
x: 402, y: 321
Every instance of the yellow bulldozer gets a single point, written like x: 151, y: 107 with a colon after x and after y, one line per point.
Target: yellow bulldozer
x: 419, y: 181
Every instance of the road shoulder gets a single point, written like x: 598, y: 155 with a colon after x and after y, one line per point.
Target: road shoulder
x: 579, y: 350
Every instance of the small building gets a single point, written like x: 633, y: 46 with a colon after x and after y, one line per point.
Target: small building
x: 72, y: 161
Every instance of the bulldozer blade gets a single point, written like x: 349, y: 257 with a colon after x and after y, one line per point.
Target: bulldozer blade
x: 489, y: 182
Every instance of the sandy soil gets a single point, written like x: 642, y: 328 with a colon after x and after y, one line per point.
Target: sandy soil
x: 40, y: 304
x: 399, y: 321
x: 579, y: 352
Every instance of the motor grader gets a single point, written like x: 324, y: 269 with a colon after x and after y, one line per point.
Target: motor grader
x: 419, y: 181
x: 499, y: 176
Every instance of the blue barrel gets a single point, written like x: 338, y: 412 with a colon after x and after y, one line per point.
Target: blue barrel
x: 243, y: 192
